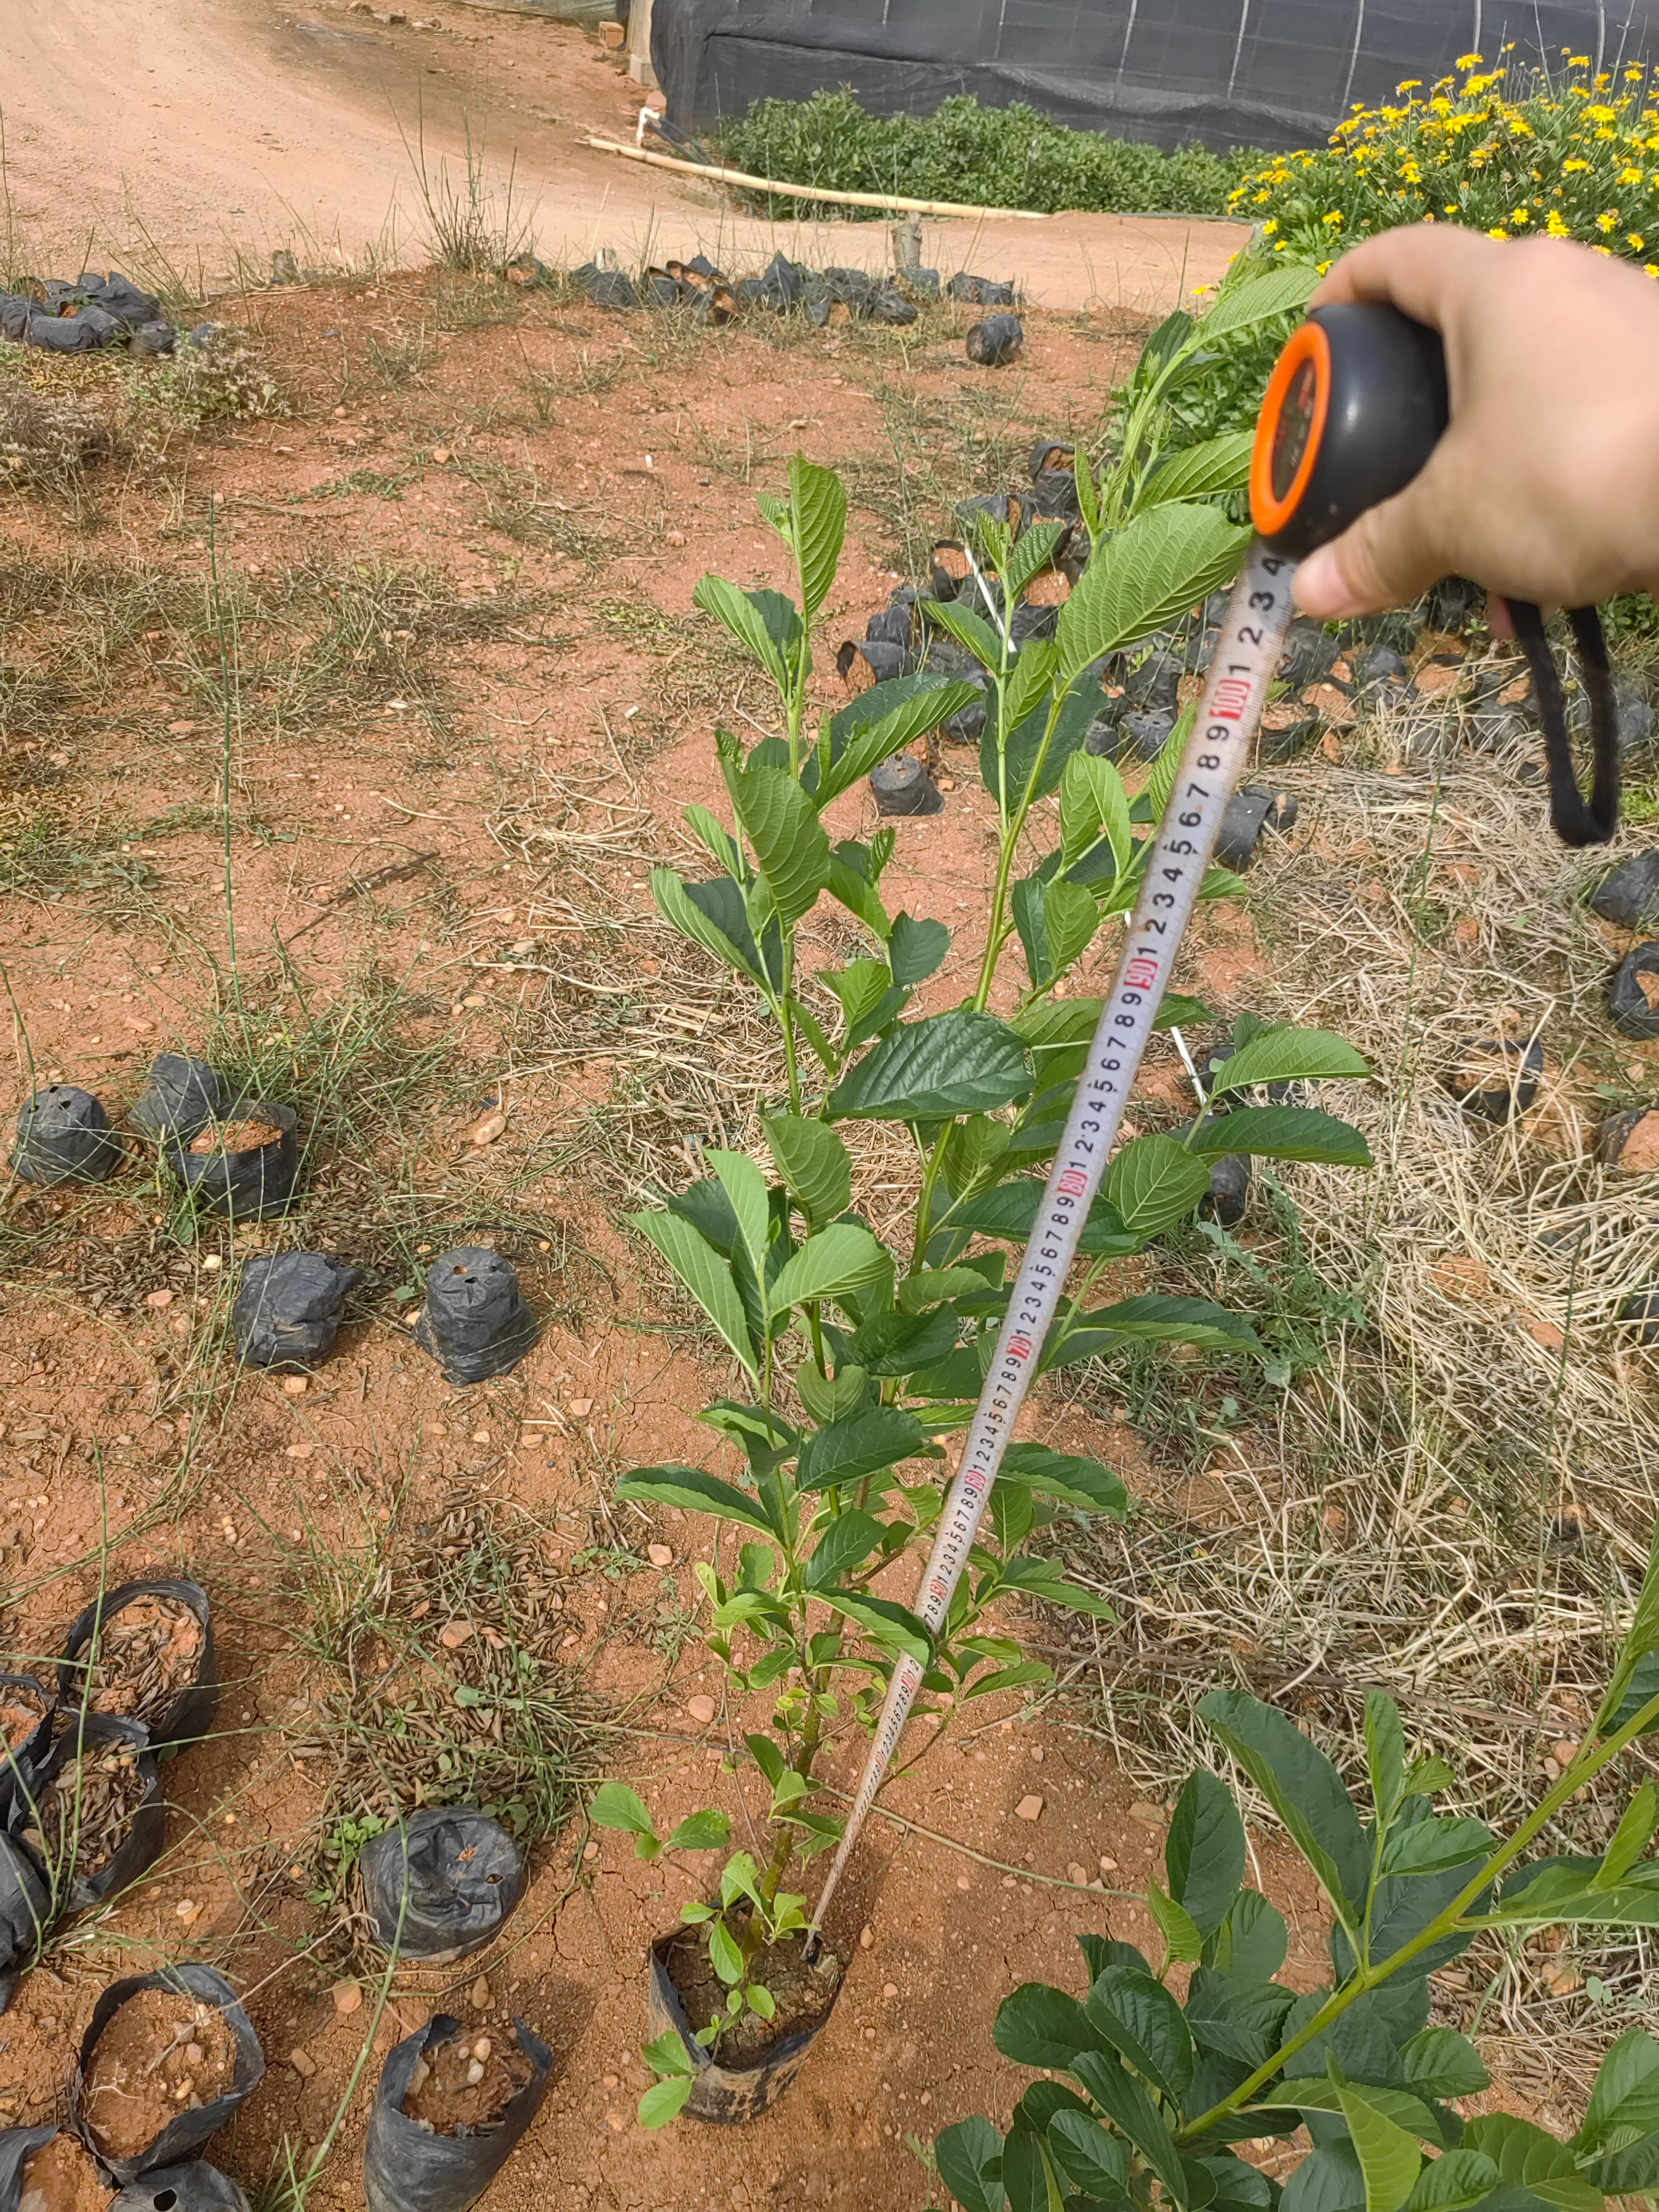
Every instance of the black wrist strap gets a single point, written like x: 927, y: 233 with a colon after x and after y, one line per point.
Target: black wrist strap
x: 1575, y: 821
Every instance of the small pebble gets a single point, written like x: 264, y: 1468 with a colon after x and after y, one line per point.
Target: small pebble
x: 581, y: 1407
x: 194, y: 2054
x: 890, y: 1989
x: 479, y: 1994
x: 660, y: 1555
x: 1108, y: 1866
x: 454, y: 1633
x: 963, y: 1882
x: 303, y: 2064
x: 1564, y: 1753
x: 481, y: 2048
x: 157, y: 1299
x: 347, y: 1997
x: 1077, y: 1874
x: 866, y: 1937
x: 590, y: 1849
x: 1029, y: 1808
x: 295, y: 1386
x: 702, y: 1709
x: 474, y: 2074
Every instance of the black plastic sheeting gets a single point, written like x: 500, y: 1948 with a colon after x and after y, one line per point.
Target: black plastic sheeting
x: 1271, y: 73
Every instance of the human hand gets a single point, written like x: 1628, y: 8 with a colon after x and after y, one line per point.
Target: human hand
x: 1545, y: 485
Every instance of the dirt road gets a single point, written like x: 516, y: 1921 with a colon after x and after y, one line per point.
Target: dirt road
x: 198, y: 133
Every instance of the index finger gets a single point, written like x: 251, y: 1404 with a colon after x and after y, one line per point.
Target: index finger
x: 1421, y: 269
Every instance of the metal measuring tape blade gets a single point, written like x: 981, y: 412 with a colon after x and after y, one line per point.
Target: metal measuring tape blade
x: 1245, y: 655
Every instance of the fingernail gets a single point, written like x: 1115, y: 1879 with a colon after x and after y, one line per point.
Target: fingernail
x: 1321, y: 589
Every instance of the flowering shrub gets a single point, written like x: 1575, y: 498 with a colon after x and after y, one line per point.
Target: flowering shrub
x: 1574, y: 158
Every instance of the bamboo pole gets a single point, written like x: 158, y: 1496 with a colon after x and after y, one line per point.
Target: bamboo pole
x: 815, y: 192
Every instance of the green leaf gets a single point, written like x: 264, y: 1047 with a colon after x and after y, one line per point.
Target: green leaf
x: 1217, y: 464
x: 1327, y: 2181
x: 969, y: 2156
x: 1440, y: 2063
x: 814, y: 1164
x: 845, y: 1544
x: 761, y: 2000
x: 1181, y: 1936
x: 1624, y: 2105
x: 666, y: 2054
x: 1237, y: 2018
x: 1143, y: 2024
x: 1528, y: 2159
x: 1159, y: 565
x: 1203, y: 1851
x: 1029, y: 678
x: 694, y: 1491
x: 836, y: 1259
x: 1453, y: 2182
x: 915, y: 949
x: 741, y: 613
x: 831, y: 1397
x: 1030, y: 555
x: 1631, y: 1837
x: 1026, y: 2175
x: 884, y: 720
x: 1093, y: 804
x: 792, y: 849
x: 1153, y: 1182
x: 1072, y: 1480
x: 881, y: 1617
x: 1087, y: 2155
x: 1251, y: 1941
x: 971, y: 631
x: 954, y: 1063
x: 1303, y: 1788
x: 664, y: 2101
x: 1535, y: 1895
x: 817, y: 515
x: 707, y: 1830
x: 745, y: 1187
x: 723, y: 1955
x: 1032, y: 762
x: 1283, y: 290
x: 717, y: 840
x: 1389, y: 2158
x: 1155, y: 1319
x: 676, y: 905
x: 1282, y: 1055
x: 616, y: 1805
x: 704, y: 1274
x: 1038, y: 2026
x: 1431, y: 1846
x: 1055, y: 921
x: 1283, y: 1133
x: 1385, y: 1750
x: 1321, y: 2093
x: 1127, y: 2105
x: 863, y: 1444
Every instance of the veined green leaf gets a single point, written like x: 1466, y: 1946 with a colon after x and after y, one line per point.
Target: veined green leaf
x: 954, y: 1063
x: 862, y: 1444
x: 915, y: 949
x: 1282, y: 1054
x: 1154, y: 1319
x: 1453, y: 2182
x: 676, y: 905
x: 970, y: 2165
x: 836, y: 1259
x: 1143, y: 2023
x: 1093, y: 804
x: 616, y: 1805
x: 817, y: 516
x: 790, y: 847
x: 813, y: 1163
x: 971, y: 631
x: 1302, y: 1786
x: 1283, y: 1133
x: 664, y: 2101
x: 750, y: 623
x: 1072, y: 1480
x: 1389, y: 2158
x: 705, y: 1275
x: 1204, y: 1850
x: 1529, y: 2159
x: 884, y: 720
x: 881, y: 1619
x: 1441, y: 2063
x: 1029, y: 555
x: 1161, y: 563
x: 1152, y: 1183
x: 1029, y: 678
x: 1281, y: 290
x: 745, y: 1187
x: 694, y: 1492
x: 1217, y: 464
x: 706, y: 1830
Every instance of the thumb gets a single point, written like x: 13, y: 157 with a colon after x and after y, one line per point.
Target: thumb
x: 1387, y: 558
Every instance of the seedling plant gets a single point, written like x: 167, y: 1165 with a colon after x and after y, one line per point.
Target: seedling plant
x: 860, y: 1352
x: 1146, y: 2088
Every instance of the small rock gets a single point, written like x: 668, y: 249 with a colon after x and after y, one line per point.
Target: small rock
x: 295, y: 1386
x: 1564, y: 1753
x: 486, y: 1131
x: 303, y: 2064
x: 590, y: 1849
x: 963, y: 1882
x: 347, y: 1996
x: 1077, y: 1872
x: 581, y: 1408
x: 478, y: 1995
x: 702, y: 1709
x: 1150, y: 1816
x: 186, y: 1908
x: 660, y: 1555
x: 890, y: 1989
x: 866, y: 1937
x: 157, y: 1299
x: 454, y: 1633
x: 1029, y: 1808
x: 1107, y: 1865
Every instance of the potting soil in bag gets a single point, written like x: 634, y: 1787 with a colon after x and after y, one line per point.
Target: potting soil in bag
x: 25, y: 1914
x: 448, y: 1874
x: 143, y: 1652
x: 288, y: 1308
x: 47, y: 2169
x: 92, y: 1816
x: 475, y: 1322
x: 157, y: 2043
x: 63, y: 1136
x: 451, y: 2104
x: 996, y: 340
x: 181, y: 1096
x: 244, y: 1163
x: 193, y: 2187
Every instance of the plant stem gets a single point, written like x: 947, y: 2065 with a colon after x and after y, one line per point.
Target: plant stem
x: 1583, y: 1768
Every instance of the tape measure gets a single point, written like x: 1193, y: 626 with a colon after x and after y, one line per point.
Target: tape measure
x: 1355, y: 407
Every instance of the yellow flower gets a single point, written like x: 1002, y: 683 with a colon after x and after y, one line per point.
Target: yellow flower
x: 1468, y: 61
x: 1499, y: 233
x: 1607, y: 131
x: 1607, y: 220
x: 1556, y: 228
x: 1568, y: 168
x: 1577, y: 61
x: 1629, y: 177
x: 1450, y: 208
x: 1411, y: 84
x: 1270, y: 227
x: 1520, y: 216
x: 1333, y: 220
x: 1602, y: 114
x: 1651, y: 269
x: 1635, y: 238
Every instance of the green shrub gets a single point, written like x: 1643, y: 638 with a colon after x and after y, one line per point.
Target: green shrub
x: 982, y: 156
